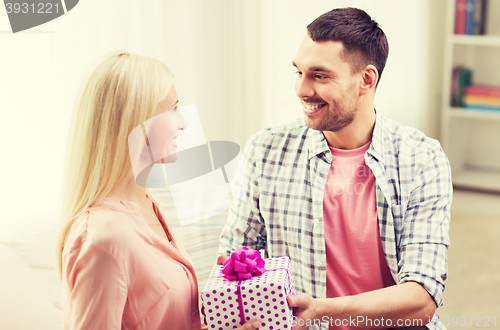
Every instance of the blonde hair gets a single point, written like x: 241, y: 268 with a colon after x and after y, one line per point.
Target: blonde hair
x: 121, y: 92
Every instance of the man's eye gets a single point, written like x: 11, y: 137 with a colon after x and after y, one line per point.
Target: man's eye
x: 319, y: 77
x: 299, y: 73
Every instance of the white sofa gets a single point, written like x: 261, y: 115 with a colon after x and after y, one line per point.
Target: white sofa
x: 30, y: 289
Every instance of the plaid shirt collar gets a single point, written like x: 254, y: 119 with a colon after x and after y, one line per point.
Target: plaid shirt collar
x: 319, y: 145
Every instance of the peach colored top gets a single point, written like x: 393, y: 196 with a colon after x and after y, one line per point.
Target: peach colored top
x: 119, y: 274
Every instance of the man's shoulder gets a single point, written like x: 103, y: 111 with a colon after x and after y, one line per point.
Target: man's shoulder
x: 407, y: 138
x: 287, y: 133
x: 294, y: 127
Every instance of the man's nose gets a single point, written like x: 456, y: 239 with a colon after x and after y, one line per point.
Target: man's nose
x: 303, y: 88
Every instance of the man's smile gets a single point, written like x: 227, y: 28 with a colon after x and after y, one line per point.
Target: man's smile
x: 311, y: 109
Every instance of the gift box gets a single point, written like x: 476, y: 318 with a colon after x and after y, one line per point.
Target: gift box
x: 229, y: 303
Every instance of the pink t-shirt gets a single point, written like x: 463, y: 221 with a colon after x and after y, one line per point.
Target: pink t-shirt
x: 354, y: 254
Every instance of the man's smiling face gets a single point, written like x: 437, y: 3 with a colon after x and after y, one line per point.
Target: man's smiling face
x: 326, y: 85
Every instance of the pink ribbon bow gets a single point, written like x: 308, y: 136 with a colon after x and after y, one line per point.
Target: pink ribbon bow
x: 243, y: 264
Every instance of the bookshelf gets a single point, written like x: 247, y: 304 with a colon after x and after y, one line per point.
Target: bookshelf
x: 476, y: 40
x: 471, y: 138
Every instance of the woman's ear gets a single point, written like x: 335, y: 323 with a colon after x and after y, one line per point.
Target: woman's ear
x: 369, y: 78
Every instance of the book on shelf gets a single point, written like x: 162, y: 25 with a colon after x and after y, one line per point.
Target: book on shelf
x: 482, y: 97
x: 479, y: 17
x: 481, y: 100
x: 460, y: 16
x: 470, y: 17
x: 479, y: 107
x: 461, y: 77
x: 483, y: 90
x: 454, y: 85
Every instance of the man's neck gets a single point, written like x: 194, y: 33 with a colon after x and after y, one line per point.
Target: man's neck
x: 356, y: 135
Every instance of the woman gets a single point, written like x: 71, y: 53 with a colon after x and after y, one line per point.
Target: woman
x: 117, y: 272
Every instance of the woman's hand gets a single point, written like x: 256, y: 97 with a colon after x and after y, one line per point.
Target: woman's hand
x: 221, y: 258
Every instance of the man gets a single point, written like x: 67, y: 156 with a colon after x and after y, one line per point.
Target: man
x: 358, y: 202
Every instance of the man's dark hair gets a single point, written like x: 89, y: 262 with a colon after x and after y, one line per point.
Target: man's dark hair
x: 363, y: 40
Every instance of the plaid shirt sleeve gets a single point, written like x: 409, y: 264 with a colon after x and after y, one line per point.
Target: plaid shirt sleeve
x: 424, y: 238
x: 245, y: 226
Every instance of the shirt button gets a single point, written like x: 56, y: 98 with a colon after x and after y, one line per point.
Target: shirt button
x: 320, y: 264
x: 316, y: 221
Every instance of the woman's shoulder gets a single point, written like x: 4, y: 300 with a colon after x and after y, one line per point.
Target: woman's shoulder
x: 100, y: 227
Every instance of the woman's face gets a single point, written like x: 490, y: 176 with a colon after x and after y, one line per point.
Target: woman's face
x: 163, y: 129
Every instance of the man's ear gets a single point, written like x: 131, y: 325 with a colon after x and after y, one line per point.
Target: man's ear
x: 369, y: 78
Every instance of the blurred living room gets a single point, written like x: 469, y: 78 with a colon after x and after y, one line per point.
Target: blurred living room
x: 233, y: 59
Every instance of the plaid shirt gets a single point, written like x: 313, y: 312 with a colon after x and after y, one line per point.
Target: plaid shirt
x: 281, y: 193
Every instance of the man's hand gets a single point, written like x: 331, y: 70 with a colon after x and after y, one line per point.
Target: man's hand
x: 221, y: 259
x: 250, y: 325
x: 304, y: 310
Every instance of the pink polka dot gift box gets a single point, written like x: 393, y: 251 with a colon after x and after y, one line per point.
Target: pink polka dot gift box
x: 247, y: 287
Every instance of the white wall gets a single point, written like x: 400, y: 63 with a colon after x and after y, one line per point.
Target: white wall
x: 233, y: 58
x: 42, y: 68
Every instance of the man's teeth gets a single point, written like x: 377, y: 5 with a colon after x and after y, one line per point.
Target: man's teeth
x: 312, y: 107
